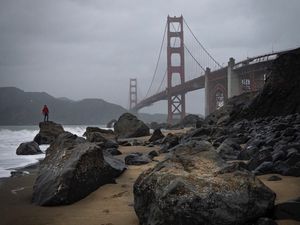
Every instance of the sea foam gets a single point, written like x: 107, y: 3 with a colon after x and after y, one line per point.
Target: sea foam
x: 12, y: 136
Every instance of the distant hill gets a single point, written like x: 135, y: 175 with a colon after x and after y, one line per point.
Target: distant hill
x: 24, y: 108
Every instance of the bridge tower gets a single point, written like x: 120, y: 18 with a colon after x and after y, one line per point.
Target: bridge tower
x: 176, y: 103
x: 132, y: 93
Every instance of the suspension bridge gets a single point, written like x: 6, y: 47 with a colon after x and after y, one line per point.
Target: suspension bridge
x: 189, y: 66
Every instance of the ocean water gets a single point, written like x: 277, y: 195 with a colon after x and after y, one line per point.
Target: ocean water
x: 12, y: 136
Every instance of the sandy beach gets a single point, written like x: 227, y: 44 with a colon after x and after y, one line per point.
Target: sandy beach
x: 111, y: 204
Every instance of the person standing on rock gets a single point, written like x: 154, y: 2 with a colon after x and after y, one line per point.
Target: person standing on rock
x: 46, y: 113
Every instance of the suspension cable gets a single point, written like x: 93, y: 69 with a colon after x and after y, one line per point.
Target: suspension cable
x: 157, y: 62
x: 162, y: 81
x: 201, y: 44
x: 193, y: 57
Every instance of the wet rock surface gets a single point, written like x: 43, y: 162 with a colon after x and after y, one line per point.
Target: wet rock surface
x: 129, y: 126
x: 72, y: 169
x: 48, y: 132
x: 195, y: 186
x: 28, y: 148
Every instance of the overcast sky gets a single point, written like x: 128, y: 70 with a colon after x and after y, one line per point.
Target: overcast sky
x: 90, y: 48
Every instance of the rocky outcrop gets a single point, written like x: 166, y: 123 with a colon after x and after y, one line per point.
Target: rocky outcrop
x: 28, y: 148
x: 129, y: 126
x: 195, y: 186
x: 72, y: 169
x: 157, y: 135
x: 280, y: 95
x: 48, y: 132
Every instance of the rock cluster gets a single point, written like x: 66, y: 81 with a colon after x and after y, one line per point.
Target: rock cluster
x: 270, y: 144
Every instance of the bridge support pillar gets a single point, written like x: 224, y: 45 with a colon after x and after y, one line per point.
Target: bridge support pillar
x: 233, y: 83
x: 132, y: 93
x: 206, y: 86
x: 176, y: 103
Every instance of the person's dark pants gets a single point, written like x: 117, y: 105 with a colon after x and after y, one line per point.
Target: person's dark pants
x: 46, y: 117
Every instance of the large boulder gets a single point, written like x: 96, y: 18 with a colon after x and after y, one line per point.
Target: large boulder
x: 129, y: 126
x: 28, y: 148
x: 195, y: 186
x: 72, y: 169
x: 48, y: 132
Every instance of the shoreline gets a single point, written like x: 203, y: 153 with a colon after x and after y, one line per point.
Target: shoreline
x: 110, y: 204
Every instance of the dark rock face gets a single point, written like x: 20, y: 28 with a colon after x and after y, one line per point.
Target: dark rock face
x: 157, y: 135
x: 71, y: 170
x: 137, y: 158
x: 128, y: 126
x: 288, y: 210
x: 28, y: 148
x: 195, y: 186
x: 48, y: 132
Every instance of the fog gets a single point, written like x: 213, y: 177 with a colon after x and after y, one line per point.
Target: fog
x: 89, y: 49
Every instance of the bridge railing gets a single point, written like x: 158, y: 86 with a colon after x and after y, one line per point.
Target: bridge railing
x: 258, y: 59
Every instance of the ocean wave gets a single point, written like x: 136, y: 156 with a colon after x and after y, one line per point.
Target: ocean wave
x: 11, y: 137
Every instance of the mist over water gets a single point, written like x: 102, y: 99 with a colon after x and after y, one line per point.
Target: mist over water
x: 12, y: 136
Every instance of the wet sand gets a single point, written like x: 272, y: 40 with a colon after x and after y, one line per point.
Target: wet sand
x: 111, y: 204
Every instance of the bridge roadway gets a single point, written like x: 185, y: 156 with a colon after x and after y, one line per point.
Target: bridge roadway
x: 250, y: 65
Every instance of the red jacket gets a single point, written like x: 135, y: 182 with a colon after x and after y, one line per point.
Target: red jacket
x: 45, y: 110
